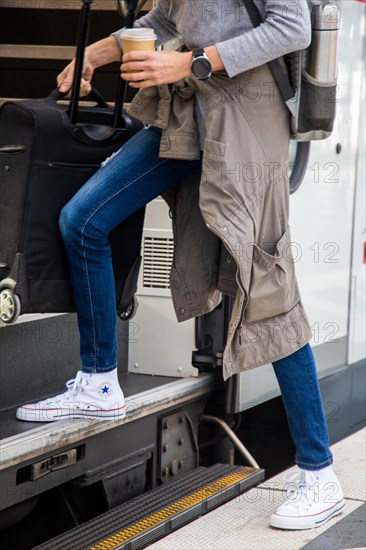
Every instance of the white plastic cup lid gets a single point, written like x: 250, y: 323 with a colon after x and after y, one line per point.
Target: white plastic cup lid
x: 140, y: 33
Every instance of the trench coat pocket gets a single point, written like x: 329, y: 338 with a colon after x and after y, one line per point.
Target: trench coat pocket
x: 273, y: 288
x: 214, y: 150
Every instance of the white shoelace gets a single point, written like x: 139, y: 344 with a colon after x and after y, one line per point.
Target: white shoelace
x: 300, y: 487
x: 74, y: 386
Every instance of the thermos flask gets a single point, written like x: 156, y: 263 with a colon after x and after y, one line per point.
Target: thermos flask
x: 322, y: 57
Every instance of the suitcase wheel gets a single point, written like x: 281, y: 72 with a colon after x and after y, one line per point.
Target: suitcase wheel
x: 9, y: 306
x: 130, y: 312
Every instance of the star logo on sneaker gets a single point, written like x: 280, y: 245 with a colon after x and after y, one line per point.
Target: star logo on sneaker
x: 105, y: 390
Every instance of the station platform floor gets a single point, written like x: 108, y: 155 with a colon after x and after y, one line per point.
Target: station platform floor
x: 242, y: 523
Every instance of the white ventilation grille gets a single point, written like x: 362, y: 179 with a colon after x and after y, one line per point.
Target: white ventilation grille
x: 157, y: 261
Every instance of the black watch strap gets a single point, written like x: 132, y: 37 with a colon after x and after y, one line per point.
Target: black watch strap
x: 198, y: 52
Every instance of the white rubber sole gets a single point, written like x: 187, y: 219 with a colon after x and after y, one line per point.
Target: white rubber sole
x: 29, y: 413
x: 306, y: 522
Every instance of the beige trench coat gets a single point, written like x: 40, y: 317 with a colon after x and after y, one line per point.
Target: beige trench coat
x: 231, y: 227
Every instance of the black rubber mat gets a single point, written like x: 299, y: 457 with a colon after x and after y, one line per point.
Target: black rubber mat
x: 127, y: 515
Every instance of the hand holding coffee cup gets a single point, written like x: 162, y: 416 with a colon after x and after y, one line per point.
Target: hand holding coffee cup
x: 143, y: 67
x: 138, y: 39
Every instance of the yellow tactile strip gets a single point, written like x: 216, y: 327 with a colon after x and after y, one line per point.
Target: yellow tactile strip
x: 167, y: 513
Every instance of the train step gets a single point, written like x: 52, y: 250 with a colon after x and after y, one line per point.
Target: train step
x: 150, y: 516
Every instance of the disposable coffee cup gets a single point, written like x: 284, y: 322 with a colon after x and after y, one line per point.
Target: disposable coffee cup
x: 138, y: 39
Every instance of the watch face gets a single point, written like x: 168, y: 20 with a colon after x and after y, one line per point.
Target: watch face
x: 201, y: 68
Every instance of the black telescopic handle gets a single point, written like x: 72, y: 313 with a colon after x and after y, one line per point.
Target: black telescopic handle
x: 121, y: 90
x: 83, y: 32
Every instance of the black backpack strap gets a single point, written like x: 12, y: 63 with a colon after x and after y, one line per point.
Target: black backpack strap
x: 280, y: 76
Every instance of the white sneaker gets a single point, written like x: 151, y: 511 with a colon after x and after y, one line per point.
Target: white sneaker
x: 312, y: 498
x: 88, y: 396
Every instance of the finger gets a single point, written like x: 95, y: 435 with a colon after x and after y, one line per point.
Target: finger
x: 142, y: 84
x: 85, y: 87
x: 66, y: 84
x: 65, y: 87
x: 137, y: 55
x: 134, y: 67
x: 65, y: 77
x: 60, y: 78
x: 63, y: 74
x: 137, y: 76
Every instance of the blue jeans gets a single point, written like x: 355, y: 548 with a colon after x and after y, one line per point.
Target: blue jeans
x: 298, y: 381
x: 127, y: 181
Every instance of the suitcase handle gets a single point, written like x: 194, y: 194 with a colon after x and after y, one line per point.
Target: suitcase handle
x: 82, y: 39
x: 132, y: 8
x: 56, y: 95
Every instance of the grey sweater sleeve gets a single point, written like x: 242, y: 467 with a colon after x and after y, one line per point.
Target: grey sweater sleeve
x: 161, y: 19
x: 286, y: 28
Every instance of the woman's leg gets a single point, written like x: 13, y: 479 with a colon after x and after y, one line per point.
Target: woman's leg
x: 314, y: 494
x: 126, y: 182
x: 298, y: 381
x: 129, y: 180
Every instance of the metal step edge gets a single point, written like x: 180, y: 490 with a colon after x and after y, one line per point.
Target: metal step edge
x: 164, y: 510
x: 52, y: 435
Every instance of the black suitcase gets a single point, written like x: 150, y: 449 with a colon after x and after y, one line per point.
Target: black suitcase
x: 47, y: 152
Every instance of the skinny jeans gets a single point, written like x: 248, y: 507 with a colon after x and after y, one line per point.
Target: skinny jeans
x: 124, y: 183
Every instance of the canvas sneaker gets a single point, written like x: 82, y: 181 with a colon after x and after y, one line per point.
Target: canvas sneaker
x: 87, y: 396
x: 312, y: 498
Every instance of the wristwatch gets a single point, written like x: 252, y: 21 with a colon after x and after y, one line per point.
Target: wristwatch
x: 201, y: 66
